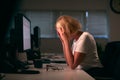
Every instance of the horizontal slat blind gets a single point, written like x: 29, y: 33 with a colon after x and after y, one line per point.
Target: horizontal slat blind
x: 97, y: 23
x: 44, y: 20
x: 94, y: 22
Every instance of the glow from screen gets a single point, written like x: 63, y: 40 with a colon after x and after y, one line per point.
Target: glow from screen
x: 26, y: 34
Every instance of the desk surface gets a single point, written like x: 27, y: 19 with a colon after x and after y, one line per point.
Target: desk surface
x: 66, y: 74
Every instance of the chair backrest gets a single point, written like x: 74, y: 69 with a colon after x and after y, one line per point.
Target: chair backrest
x: 111, y: 55
x: 116, y: 75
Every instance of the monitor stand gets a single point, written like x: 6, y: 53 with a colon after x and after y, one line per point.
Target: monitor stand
x: 24, y: 65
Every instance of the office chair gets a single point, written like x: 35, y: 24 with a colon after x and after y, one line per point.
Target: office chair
x: 110, y: 60
x: 116, y: 75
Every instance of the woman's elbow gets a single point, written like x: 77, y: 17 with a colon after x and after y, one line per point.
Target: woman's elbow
x: 72, y: 67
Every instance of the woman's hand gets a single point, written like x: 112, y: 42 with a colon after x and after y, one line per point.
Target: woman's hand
x: 62, y: 34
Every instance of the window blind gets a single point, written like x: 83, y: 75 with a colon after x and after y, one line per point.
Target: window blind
x: 94, y: 22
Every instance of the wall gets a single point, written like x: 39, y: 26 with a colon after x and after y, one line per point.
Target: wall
x: 114, y: 26
x: 63, y: 4
x: 53, y: 45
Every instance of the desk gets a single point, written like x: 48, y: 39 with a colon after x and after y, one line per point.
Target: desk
x: 66, y: 74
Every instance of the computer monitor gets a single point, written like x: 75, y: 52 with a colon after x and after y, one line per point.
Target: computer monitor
x: 23, y: 32
x: 36, y: 36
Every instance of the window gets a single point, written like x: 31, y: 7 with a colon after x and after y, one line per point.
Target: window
x: 94, y: 22
x: 44, y: 20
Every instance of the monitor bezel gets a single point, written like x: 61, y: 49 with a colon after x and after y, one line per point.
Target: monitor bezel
x: 19, y: 32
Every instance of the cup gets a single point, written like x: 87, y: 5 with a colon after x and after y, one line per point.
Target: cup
x: 38, y: 63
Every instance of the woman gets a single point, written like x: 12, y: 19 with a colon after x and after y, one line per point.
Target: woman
x: 83, y: 53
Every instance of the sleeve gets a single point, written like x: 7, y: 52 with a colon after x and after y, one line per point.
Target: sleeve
x: 83, y: 45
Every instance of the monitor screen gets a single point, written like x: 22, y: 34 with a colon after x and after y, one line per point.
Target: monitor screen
x: 23, y: 33
x: 26, y: 34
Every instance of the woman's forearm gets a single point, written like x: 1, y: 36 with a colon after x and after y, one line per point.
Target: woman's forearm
x: 68, y: 53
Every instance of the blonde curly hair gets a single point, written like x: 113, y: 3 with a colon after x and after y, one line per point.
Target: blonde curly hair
x: 70, y: 24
